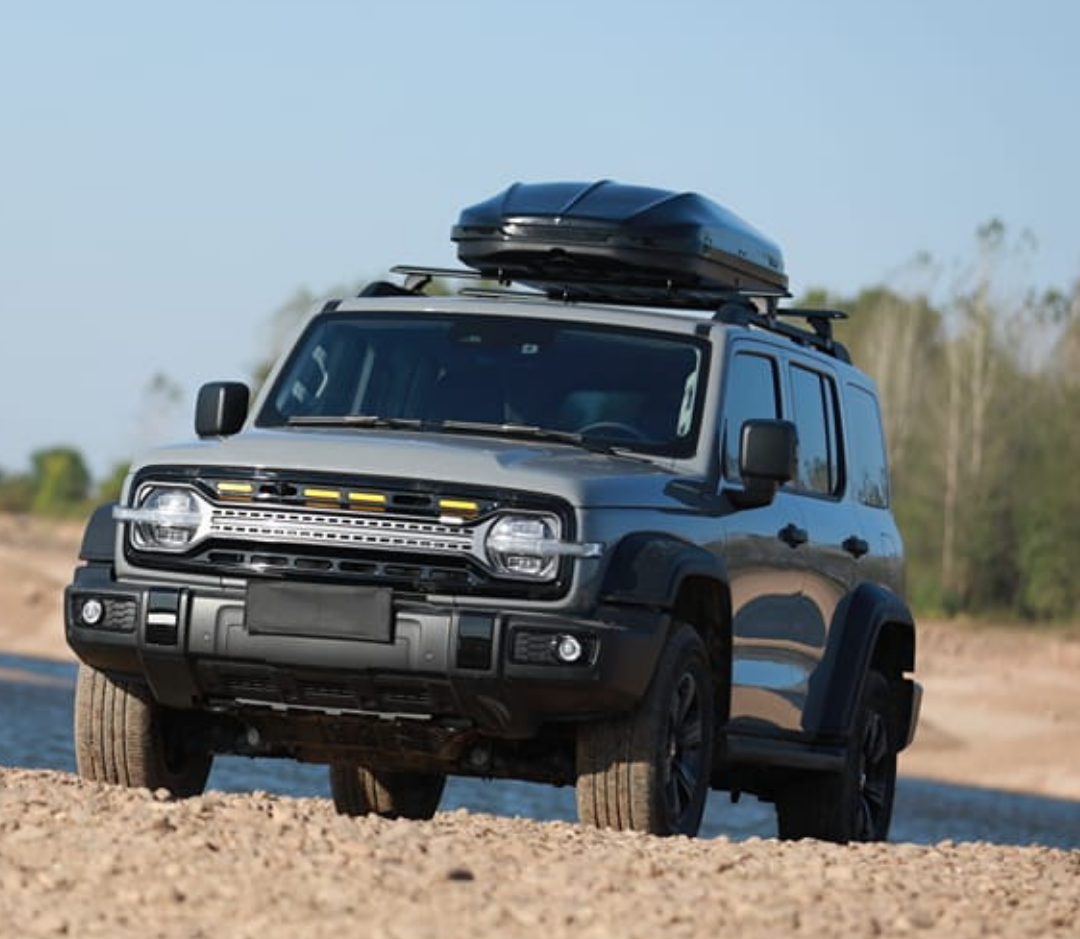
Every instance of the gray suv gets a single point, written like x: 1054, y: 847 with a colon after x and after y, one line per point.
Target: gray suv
x: 611, y: 517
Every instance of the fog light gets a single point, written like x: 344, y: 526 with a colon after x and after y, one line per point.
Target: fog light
x: 92, y: 611
x: 568, y: 649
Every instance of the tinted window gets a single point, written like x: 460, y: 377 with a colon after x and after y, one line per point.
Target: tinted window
x: 869, y: 471
x: 751, y: 393
x: 814, y: 413
x: 632, y: 388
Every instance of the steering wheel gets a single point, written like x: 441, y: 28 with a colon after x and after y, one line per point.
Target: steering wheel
x: 612, y: 428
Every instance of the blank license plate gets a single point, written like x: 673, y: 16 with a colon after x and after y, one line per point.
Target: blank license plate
x: 330, y: 611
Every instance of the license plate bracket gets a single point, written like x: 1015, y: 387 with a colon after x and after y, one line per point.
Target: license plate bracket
x: 326, y: 611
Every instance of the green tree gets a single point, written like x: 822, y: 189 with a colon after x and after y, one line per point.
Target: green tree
x: 61, y: 480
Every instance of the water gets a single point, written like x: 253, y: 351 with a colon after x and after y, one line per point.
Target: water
x: 35, y: 731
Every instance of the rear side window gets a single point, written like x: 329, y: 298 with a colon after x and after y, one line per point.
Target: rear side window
x: 869, y: 470
x: 814, y: 411
x: 751, y: 393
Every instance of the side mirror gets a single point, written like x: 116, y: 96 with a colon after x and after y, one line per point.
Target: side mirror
x: 768, y: 454
x: 221, y: 408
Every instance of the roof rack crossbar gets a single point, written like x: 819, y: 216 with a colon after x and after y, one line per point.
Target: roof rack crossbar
x: 819, y: 335
x: 451, y: 273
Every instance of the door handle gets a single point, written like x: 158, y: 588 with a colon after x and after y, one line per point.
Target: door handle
x: 792, y: 535
x: 855, y: 546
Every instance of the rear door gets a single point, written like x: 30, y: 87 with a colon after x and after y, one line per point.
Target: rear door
x: 833, y: 531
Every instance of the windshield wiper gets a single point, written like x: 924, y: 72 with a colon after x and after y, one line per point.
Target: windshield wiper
x: 355, y: 420
x: 527, y: 432
x: 521, y: 431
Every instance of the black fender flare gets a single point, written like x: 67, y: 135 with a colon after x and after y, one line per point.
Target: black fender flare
x: 648, y: 572
x: 871, y: 628
x: 648, y: 568
x: 99, y: 537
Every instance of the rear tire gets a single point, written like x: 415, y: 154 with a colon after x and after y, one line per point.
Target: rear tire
x: 856, y: 803
x: 124, y: 737
x: 649, y: 770
x: 357, y: 790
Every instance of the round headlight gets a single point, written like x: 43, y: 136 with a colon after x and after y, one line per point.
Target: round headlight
x: 166, y: 519
x: 525, y: 546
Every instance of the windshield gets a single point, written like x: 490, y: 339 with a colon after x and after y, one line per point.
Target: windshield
x: 634, y: 389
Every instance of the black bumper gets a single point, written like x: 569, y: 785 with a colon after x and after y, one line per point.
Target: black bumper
x: 494, y: 669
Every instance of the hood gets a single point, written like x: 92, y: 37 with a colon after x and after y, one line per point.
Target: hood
x: 584, y: 479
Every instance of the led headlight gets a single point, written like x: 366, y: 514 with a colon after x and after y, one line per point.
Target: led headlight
x: 529, y: 546
x: 167, y: 518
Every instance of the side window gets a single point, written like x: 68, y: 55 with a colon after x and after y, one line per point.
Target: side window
x: 869, y: 470
x: 814, y: 411
x: 751, y: 393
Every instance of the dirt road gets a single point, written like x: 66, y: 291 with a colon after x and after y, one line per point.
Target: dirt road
x: 84, y: 860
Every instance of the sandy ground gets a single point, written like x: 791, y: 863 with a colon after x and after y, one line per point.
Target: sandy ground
x: 85, y: 860
x: 1002, y: 710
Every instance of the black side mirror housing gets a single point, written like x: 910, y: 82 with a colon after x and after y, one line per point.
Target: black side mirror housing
x: 768, y: 458
x: 221, y: 408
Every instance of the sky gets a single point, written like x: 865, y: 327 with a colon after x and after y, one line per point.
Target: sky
x: 173, y: 172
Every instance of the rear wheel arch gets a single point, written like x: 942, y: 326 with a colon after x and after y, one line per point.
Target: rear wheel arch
x: 872, y: 630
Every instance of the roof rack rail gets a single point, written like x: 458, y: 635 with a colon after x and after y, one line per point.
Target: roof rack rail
x: 499, y: 293
x: 819, y: 335
x: 735, y: 307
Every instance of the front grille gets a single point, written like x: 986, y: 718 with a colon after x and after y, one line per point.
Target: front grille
x: 355, y: 531
x: 417, y: 537
x: 406, y: 576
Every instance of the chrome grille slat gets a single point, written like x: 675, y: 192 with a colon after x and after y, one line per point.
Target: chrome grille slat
x: 387, y: 533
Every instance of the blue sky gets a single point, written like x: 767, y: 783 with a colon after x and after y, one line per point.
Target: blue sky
x: 172, y: 172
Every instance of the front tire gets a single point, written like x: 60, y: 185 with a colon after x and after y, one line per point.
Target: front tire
x: 357, y: 790
x: 649, y: 770
x: 855, y: 804
x: 124, y: 737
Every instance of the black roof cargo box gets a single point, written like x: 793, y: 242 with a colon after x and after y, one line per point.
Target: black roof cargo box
x: 605, y: 235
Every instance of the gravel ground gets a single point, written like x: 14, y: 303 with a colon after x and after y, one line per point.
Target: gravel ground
x: 88, y: 860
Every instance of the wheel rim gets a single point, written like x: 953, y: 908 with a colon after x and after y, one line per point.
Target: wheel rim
x: 875, y: 778
x: 683, y: 769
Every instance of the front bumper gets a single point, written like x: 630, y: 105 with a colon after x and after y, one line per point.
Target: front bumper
x: 490, y: 668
